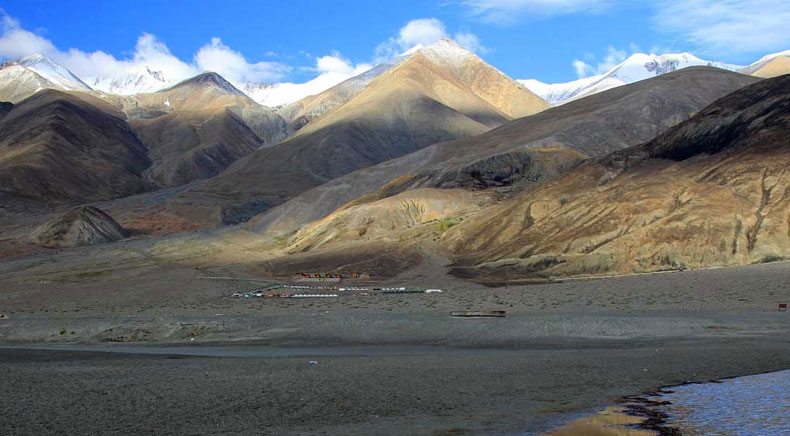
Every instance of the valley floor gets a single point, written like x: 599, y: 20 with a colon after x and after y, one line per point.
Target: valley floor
x: 196, y: 360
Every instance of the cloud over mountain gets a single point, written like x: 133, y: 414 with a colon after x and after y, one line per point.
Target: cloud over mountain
x: 424, y: 32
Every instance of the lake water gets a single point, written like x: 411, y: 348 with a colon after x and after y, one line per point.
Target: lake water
x: 755, y: 405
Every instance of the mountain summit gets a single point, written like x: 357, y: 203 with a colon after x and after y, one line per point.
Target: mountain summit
x: 465, y: 67
x: 140, y: 80
x: 209, y: 79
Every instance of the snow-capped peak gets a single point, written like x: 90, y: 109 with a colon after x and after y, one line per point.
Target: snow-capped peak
x: 53, y: 72
x: 443, y: 51
x: 639, y: 66
x: 134, y: 81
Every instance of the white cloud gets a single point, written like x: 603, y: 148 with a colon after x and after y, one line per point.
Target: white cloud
x: 232, y: 65
x: 424, y: 31
x: 727, y: 26
x: 611, y: 59
x: 149, y: 52
x: 336, y: 63
x: 16, y: 41
x: 506, y: 12
x: 583, y: 69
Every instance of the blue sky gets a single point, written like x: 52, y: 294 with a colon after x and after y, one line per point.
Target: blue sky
x: 287, y: 40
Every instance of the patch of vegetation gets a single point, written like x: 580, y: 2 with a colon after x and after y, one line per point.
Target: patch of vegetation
x: 62, y: 331
x: 447, y: 223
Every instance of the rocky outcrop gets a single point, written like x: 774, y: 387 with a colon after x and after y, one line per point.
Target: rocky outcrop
x: 84, y: 225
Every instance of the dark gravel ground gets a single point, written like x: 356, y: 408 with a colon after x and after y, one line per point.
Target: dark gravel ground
x: 468, y: 392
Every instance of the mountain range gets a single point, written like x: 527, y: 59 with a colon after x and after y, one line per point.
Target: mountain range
x: 149, y: 79
x: 434, y: 149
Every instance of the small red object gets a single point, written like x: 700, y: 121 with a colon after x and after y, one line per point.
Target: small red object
x: 783, y: 306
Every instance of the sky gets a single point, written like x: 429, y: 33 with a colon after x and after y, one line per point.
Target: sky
x: 329, y: 40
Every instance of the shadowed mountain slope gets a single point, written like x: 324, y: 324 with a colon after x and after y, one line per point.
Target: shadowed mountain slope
x: 411, y: 106
x: 714, y: 190
x: 524, y: 151
x: 199, y: 127
x: 57, y: 147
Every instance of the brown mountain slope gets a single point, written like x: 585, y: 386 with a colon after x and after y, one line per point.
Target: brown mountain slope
x: 714, y: 190
x: 387, y: 219
x: 523, y: 151
x: 775, y: 68
x: 57, y: 147
x: 302, y: 112
x: 411, y: 106
x: 485, y: 81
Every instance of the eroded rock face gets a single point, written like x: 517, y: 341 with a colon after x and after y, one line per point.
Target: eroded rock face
x: 84, y: 225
